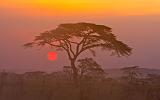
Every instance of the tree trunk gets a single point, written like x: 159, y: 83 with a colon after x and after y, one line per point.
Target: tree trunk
x: 75, y: 71
x: 77, y: 80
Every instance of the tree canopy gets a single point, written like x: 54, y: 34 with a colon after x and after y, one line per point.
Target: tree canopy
x: 84, y: 35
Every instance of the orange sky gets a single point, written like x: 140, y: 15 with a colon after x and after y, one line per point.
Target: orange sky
x: 79, y: 7
x: 135, y: 22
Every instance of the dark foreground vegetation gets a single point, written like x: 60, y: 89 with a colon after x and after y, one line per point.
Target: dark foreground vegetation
x: 59, y: 86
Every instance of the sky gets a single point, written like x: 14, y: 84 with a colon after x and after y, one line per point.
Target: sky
x: 79, y: 7
x: 135, y: 22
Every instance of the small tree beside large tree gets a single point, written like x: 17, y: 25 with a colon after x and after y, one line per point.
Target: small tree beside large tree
x: 75, y: 38
x: 88, y: 67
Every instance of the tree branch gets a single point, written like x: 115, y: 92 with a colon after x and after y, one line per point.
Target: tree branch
x: 54, y: 45
x: 89, y: 47
x: 61, y: 46
x: 82, y: 42
x: 70, y: 47
x: 72, y: 42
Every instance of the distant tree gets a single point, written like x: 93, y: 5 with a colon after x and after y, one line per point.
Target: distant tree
x: 75, y: 38
x: 154, y: 78
x: 68, y: 71
x: 153, y: 90
x: 131, y: 73
x: 89, y: 67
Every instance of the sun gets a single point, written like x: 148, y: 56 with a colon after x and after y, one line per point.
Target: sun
x: 52, y: 56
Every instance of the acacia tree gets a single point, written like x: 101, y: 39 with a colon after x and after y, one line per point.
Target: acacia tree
x: 75, y: 38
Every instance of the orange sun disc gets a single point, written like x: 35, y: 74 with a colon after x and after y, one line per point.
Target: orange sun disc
x: 52, y: 56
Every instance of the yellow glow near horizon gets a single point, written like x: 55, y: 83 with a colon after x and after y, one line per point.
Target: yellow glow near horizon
x: 63, y: 7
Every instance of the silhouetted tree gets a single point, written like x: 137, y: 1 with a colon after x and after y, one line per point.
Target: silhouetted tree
x: 89, y: 67
x: 75, y: 38
x: 3, y: 76
x: 131, y: 73
x: 154, y: 78
x: 68, y: 71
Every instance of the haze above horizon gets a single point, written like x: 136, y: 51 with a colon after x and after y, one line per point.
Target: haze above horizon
x: 136, y: 22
